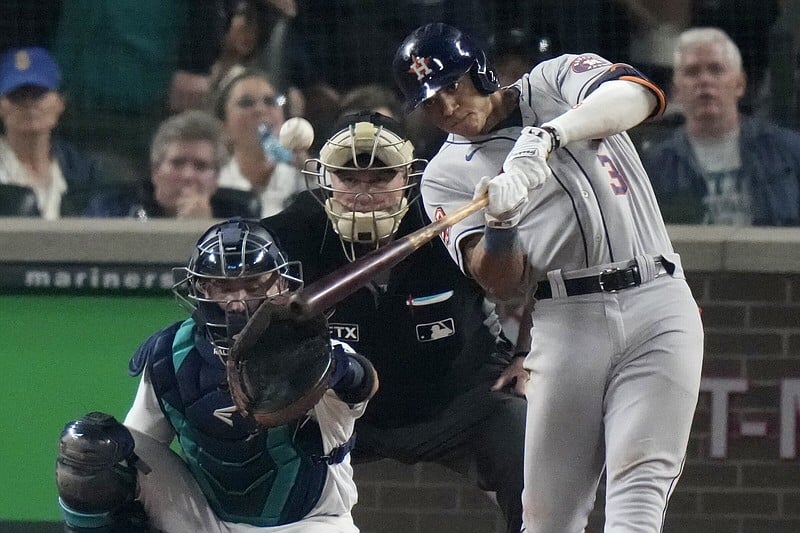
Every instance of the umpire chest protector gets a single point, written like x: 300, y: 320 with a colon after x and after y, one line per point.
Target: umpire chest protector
x: 250, y: 475
x: 422, y: 327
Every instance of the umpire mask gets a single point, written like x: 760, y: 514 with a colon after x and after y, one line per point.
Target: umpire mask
x: 366, y: 178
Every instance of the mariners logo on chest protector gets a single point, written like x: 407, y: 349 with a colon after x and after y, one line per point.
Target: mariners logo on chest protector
x: 344, y: 332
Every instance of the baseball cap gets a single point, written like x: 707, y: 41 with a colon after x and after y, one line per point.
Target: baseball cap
x: 28, y: 66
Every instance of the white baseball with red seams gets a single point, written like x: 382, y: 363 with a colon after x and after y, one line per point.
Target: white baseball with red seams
x: 296, y: 134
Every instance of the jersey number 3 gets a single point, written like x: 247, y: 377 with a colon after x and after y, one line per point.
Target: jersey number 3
x: 618, y: 182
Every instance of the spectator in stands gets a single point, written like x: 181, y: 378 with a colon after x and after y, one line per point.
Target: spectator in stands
x: 246, y: 102
x: 187, y: 153
x: 242, y: 38
x: 259, y: 35
x: 322, y: 104
x: 379, y: 98
x: 37, y: 170
x: 747, y: 23
x: 373, y: 97
x: 722, y: 167
x: 127, y: 65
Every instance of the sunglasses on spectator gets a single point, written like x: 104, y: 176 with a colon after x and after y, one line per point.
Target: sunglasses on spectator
x: 26, y: 92
x: 248, y: 102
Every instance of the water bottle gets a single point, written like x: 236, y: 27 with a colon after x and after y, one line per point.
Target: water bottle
x: 272, y: 147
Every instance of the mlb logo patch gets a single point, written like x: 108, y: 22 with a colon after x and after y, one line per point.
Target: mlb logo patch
x: 585, y: 63
x: 436, y: 330
x: 344, y: 332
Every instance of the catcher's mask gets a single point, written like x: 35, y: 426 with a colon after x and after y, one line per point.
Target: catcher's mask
x: 366, y: 178
x: 235, y: 267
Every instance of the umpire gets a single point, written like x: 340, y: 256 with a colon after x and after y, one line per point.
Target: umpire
x: 451, y: 388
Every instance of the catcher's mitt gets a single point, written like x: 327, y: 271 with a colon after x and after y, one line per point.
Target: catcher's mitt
x: 279, y: 366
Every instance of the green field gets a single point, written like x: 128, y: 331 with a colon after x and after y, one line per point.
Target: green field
x: 62, y: 356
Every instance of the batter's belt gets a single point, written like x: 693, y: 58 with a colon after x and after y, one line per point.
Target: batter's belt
x: 609, y: 280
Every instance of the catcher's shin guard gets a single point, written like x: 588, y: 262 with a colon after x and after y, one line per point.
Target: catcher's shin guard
x: 96, y: 476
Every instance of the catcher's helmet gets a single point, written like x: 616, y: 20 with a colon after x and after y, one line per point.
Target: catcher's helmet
x: 237, y: 256
x: 365, y: 215
x: 435, y: 56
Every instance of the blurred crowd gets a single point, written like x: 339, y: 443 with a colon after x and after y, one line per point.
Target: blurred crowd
x: 159, y: 108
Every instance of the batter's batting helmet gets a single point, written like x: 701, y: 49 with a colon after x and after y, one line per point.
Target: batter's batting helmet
x: 237, y: 249
x: 435, y: 56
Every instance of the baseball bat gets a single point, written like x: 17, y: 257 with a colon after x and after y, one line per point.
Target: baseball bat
x: 344, y: 281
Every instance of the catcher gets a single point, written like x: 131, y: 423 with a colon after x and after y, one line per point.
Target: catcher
x: 263, y: 409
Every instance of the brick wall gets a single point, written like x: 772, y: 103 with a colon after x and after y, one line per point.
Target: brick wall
x: 752, y: 325
x: 423, y: 498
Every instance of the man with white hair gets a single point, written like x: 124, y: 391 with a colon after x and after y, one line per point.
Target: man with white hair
x: 722, y: 167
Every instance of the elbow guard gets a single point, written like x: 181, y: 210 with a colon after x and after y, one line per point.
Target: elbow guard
x: 354, y: 378
x: 621, y: 71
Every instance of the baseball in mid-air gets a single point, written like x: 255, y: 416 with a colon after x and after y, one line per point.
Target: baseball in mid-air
x: 296, y: 134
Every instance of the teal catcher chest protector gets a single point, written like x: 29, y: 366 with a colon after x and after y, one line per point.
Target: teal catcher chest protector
x: 263, y: 477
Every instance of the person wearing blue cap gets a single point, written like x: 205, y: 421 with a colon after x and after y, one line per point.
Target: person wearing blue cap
x: 34, y: 164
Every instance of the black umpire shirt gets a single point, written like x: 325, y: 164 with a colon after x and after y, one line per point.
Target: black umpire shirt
x: 423, y: 330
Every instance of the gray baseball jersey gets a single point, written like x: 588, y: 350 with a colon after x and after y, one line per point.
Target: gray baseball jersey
x: 599, y: 206
x: 614, y: 375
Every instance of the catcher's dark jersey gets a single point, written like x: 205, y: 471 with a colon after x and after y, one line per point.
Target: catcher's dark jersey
x: 422, y: 327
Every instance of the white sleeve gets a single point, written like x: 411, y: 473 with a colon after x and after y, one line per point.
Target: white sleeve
x: 613, y: 107
x: 587, y: 97
x: 336, y: 419
x: 145, y: 414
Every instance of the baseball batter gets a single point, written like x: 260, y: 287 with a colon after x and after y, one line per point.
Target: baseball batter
x: 617, y: 339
